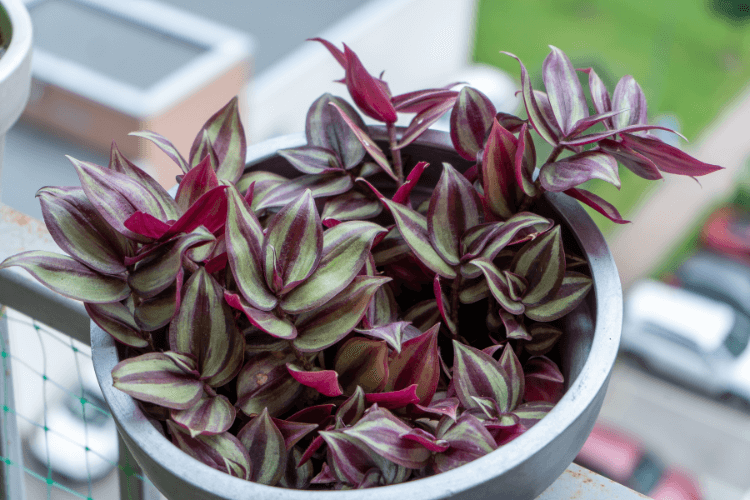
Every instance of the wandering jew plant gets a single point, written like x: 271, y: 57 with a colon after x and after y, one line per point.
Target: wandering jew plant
x: 321, y: 331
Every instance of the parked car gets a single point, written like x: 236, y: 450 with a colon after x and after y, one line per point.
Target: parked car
x: 686, y: 335
x: 621, y: 458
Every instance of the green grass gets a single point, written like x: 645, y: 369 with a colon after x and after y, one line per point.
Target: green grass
x: 688, y: 62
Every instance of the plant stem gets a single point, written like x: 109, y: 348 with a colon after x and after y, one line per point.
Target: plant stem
x: 554, y: 154
x: 301, y: 357
x: 395, y: 153
x: 455, y: 290
x: 529, y: 200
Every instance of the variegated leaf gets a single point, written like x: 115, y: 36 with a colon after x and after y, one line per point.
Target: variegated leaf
x: 165, y: 145
x: 542, y: 263
x: 353, y: 408
x: 564, y: 90
x: 311, y: 159
x: 382, y: 432
x: 514, y: 327
x: 629, y: 98
x: 499, y: 286
x: 80, y: 231
x: 156, y: 312
x: 352, y: 205
x: 227, y: 136
x: 209, y: 211
x: 474, y: 292
x: 390, y: 249
x: 468, y: 440
x: 571, y: 292
x: 634, y: 161
x: 292, y: 432
x: 420, y: 100
x: 544, y: 381
x: 263, y: 183
x: 68, y: 277
x: 427, y: 440
x: 417, y: 363
x: 668, y: 158
x: 117, y: 320
x: 200, y: 180
x: 599, y: 95
x: 268, y: 452
x: 512, y: 367
x: 579, y: 168
x: 423, y: 315
x: 296, y: 475
x: 169, y: 380
x: 324, y: 381
x: 470, y: 120
x: 444, y: 407
x: 597, y: 203
x: 394, y: 399
x: 265, y: 382
x: 223, y: 452
x: 529, y: 414
x: 320, y: 185
x: 208, y: 416
x: 414, y: 229
x: 348, y: 457
x: 525, y: 161
x: 267, y: 321
x: 543, y: 339
x: 207, y: 330
x: 157, y: 272
x: 424, y: 120
x: 296, y: 236
x: 498, y: 172
x: 362, y: 363
x: 244, y: 240
x: 325, y: 128
x: 476, y: 373
x: 444, y: 306
x: 454, y: 208
x: 330, y: 323
x: 393, y: 333
x: 344, y: 251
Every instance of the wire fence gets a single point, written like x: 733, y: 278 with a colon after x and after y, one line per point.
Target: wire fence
x: 68, y: 437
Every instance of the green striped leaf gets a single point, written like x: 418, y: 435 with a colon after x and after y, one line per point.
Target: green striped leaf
x: 542, y: 263
x: 221, y: 451
x: 345, y: 249
x: 327, y: 325
x: 210, y: 415
x: 413, y: 228
x: 572, y: 291
x: 418, y: 364
x: 165, y: 145
x: 68, y: 277
x: 351, y: 205
x: 579, y: 168
x: 543, y: 339
x: 156, y: 312
x: 325, y: 128
x: 514, y: 327
x: 351, y: 410
x: 470, y: 120
x: 499, y: 286
x: 423, y: 120
x: 263, y: 184
x: 512, y: 366
x: 244, y: 240
x: 159, y: 270
x: 168, y: 380
x: 375, y: 152
x: 383, y: 309
x: 320, y: 185
x: 267, y: 321
x: 382, y: 432
x: 119, y: 163
x: 264, y: 382
x: 468, y: 441
x: 476, y: 373
x: 454, y: 208
x: 117, y: 320
x: 227, y: 136
x: 498, y: 172
x: 116, y: 196
x: 80, y: 231
x: 268, y: 452
x: 207, y: 330
x: 296, y: 236
x: 393, y: 333
x: 390, y: 249
x: 423, y: 315
x: 520, y: 227
x: 532, y: 412
x: 362, y: 363
x: 349, y: 458
x: 525, y: 162
x: 311, y: 159
x: 564, y: 90
x: 474, y: 292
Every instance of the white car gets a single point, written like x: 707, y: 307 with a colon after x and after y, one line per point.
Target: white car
x: 689, y: 337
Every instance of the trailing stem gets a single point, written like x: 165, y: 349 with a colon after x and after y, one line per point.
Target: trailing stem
x: 395, y: 153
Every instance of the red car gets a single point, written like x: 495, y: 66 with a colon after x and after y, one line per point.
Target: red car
x: 621, y: 458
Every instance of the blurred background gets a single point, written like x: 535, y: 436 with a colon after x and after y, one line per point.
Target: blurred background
x: 676, y: 421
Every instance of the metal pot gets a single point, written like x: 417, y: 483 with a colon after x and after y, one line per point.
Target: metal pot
x: 521, y: 469
x: 15, y: 65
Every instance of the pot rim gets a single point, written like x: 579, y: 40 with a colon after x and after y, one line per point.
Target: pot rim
x: 15, y: 64
x: 580, y: 395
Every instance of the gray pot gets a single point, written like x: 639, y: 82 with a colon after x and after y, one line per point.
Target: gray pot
x: 521, y: 469
x: 15, y: 65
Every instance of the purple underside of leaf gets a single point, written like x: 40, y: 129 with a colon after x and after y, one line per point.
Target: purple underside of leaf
x: 146, y: 225
x: 564, y: 90
x: 544, y: 381
x: 422, y: 121
x: 588, y: 122
x: 634, y: 161
x: 668, y: 158
x: 324, y: 381
x: 418, y: 101
x: 403, y: 192
x: 591, y: 138
x: 597, y: 203
x: 200, y: 180
x: 394, y: 399
x: 447, y: 407
x: 599, y: 95
x: 427, y: 440
x: 577, y: 169
x: 265, y: 320
x: 367, y: 92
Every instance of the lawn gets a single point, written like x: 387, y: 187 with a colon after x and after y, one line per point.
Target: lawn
x: 689, y: 62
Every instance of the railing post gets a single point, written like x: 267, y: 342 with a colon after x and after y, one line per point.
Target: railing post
x: 11, y: 470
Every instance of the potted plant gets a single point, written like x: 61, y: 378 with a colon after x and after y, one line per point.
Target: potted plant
x: 15, y: 64
x: 360, y: 306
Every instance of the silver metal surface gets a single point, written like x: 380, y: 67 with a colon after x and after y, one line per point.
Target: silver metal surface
x: 522, y: 469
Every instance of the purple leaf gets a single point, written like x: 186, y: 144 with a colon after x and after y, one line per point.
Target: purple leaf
x: 267, y: 449
x: 597, y: 203
x: 353, y: 408
x: 335, y: 52
x: 470, y: 121
x: 444, y: 407
x: 591, y: 138
x: 468, y: 441
x: 668, y: 158
x: 478, y: 374
x: 443, y: 305
x: 393, y: 333
x: 403, y: 192
x: 422, y: 121
x: 70, y: 278
x: 427, y: 440
x: 542, y: 263
x: 634, y: 161
x: 209, y: 211
x: 564, y: 90
x: 267, y: 321
x: 117, y: 320
x: 146, y: 225
x: 348, y: 457
x: 165, y: 145
x: 525, y: 161
x: 454, y: 208
x: 630, y: 99
x: 223, y: 452
x: 498, y: 172
x: 209, y: 415
x: 544, y: 381
x: 324, y: 381
x: 320, y: 185
x: 207, y: 330
x: 394, y: 399
x: 80, y: 231
x: 169, y: 380
x: 577, y: 169
x: 417, y: 363
x: 367, y: 92
x: 200, y: 180
x: 512, y: 366
x: 420, y: 100
x: 599, y: 95
x: 498, y: 286
x: 293, y: 432
x: 326, y: 128
x: 362, y: 363
x: 543, y: 338
x: 352, y: 205
x: 311, y: 159
x: 265, y: 382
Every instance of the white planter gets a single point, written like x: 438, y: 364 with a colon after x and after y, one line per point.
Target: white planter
x: 15, y: 65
